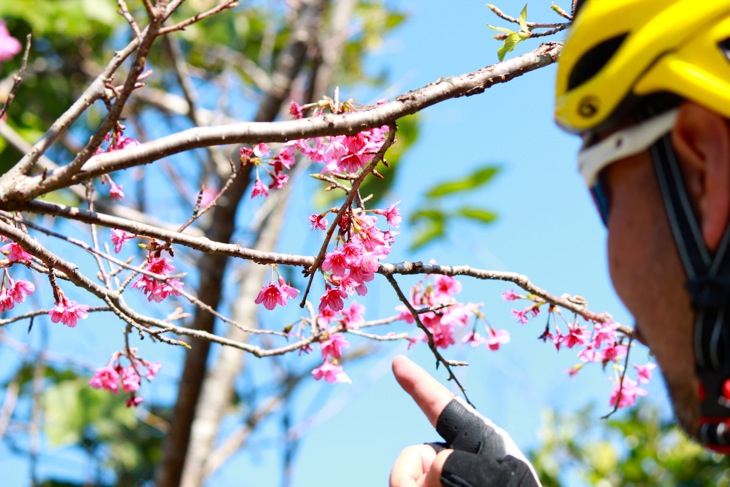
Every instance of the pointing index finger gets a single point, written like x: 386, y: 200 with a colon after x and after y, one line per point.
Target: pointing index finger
x: 430, y: 395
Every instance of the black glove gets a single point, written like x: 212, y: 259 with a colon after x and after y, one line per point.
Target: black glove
x: 484, y: 454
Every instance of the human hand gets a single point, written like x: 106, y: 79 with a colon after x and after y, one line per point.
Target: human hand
x: 477, y: 453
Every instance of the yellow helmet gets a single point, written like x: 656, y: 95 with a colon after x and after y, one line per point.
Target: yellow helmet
x: 619, y: 51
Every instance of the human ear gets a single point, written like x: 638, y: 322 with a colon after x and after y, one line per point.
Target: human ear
x: 701, y: 139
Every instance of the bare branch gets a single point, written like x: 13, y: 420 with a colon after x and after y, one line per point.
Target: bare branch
x: 255, y: 132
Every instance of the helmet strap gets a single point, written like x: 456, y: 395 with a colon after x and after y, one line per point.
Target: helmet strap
x: 708, y: 284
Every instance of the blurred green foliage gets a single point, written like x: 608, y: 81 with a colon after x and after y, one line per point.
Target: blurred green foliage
x: 635, y: 448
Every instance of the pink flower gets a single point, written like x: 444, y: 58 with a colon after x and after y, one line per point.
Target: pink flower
x: 19, y: 290
x: 119, y: 238
x: 9, y: 45
x: 280, y: 181
x: 115, y: 192
x: 625, y: 394
x: 510, y: 296
x: 391, y: 214
x: 6, y: 301
x: 16, y: 253
x: 292, y: 292
x: 614, y: 352
x: 152, y: 369
x: 604, y: 332
x: 446, y: 286
x: 261, y: 150
x: 105, y: 378
x: 336, y: 262
x: 130, y: 380
x: 521, y: 315
x: 319, y: 222
x: 474, y: 338
x: 644, y: 372
x: 125, y: 143
x: 332, y: 346
x: 352, y: 315
x: 497, y: 338
x: 259, y: 189
x: 296, y: 110
x: 133, y: 401
x: 331, y: 373
x: 69, y: 312
x: 271, y: 295
x: 576, y: 336
x: 163, y: 289
x: 332, y: 299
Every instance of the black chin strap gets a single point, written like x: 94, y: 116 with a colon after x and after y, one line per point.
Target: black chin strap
x: 708, y: 283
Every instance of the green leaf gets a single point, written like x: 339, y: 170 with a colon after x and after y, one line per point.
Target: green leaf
x: 509, y: 44
x: 500, y: 29
x: 434, y: 231
x: 428, y: 215
x: 523, y: 19
x: 477, y: 214
x: 478, y: 178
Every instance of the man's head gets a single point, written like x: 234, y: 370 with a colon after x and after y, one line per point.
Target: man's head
x: 647, y: 84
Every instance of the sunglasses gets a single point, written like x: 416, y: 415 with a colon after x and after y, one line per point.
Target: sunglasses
x: 594, y: 156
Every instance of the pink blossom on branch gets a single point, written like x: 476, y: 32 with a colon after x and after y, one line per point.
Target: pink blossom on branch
x: 16, y: 253
x: 259, y: 189
x: 69, y: 312
x: 332, y: 299
x: 496, y: 338
x: 333, y: 345
x: 271, y: 294
x: 119, y: 238
x: 9, y: 45
x: 319, y: 222
x: 625, y: 393
x: 330, y: 373
x: 19, y: 290
x: 105, y: 378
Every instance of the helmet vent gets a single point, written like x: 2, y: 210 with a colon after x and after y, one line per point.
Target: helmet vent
x: 725, y: 47
x: 594, y: 60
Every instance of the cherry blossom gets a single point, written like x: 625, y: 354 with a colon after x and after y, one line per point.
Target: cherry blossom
x: 330, y: 373
x: 333, y: 345
x: 115, y: 191
x: 9, y: 45
x: 105, y: 378
x: 644, y: 372
x: 510, y: 296
x: 319, y: 222
x: 625, y: 393
x: 497, y: 338
x: 119, y: 238
x: 259, y: 189
x: 16, y: 253
x: 391, y: 214
x: 19, y: 290
x: 69, y: 312
x: 332, y: 299
x: 130, y: 380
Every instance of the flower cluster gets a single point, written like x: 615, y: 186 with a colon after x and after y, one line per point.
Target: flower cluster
x: 446, y: 316
x: 113, y: 376
x: 603, y: 344
x: 158, y: 289
x: 68, y: 311
x: 14, y: 293
x: 331, y: 370
x: 343, y: 154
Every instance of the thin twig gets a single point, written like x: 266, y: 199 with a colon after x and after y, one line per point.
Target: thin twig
x: 439, y: 358
x: 17, y: 78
